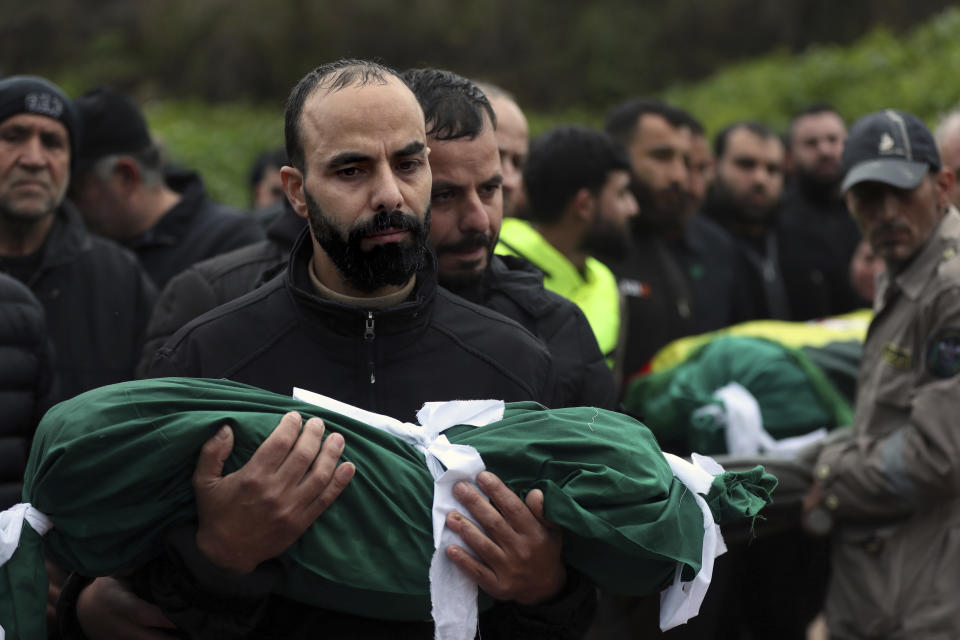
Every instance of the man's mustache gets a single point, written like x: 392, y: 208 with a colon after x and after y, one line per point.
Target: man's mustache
x: 468, y: 243
x: 386, y: 221
x: 890, y: 227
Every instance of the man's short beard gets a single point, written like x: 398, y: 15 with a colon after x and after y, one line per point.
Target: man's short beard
x: 386, y: 264
x: 15, y: 217
x: 606, y: 240
x: 819, y: 186
x: 724, y: 204
x: 462, y: 278
x: 653, y: 215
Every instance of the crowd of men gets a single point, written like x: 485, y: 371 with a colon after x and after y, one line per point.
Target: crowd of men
x: 411, y: 244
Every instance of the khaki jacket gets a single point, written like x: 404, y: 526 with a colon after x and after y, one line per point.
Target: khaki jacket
x: 894, y: 486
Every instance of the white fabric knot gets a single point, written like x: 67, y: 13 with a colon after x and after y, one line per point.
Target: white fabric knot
x: 11, y: 525
x: 681, y: 600
x: 453, y: 595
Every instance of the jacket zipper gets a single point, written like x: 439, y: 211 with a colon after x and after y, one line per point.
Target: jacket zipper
x: 368, y: 336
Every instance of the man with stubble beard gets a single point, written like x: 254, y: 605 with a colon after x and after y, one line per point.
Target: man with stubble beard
x: 818, y: 236
x: 682, y: 274
x: 745, y: 200
x: 467, y: 209
x: 357, y: 316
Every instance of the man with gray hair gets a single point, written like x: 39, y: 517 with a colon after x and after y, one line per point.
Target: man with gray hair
x: 96, y: 298
x: 889, y: 489
x: 126, y: 194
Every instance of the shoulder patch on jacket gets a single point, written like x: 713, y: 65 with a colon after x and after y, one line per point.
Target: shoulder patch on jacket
x: 943, y: 353
x: 896, y: 356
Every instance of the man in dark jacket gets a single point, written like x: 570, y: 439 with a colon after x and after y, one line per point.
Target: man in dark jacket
x: 818, y: 235
x: 95, y: 295
x: 745, y: 200
x: 683, y: 273
x: 218, y: 280
x: 124, y: 193
x: 26, y: 371
x: 356, y: 315
x: 466, y: 212
x: 464, y: 217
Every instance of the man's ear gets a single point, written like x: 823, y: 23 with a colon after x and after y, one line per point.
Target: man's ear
x: 292, y: 180
x: 126, y: 173
x: 943, y: 183
x: 584, y: 206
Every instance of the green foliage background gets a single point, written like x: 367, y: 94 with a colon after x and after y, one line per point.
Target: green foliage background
x: 914, y: 72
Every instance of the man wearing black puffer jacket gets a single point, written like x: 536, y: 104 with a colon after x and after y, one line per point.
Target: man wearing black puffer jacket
x: 26, y: 382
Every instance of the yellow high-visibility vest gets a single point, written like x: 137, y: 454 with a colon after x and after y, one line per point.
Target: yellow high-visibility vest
x: 594, y: 290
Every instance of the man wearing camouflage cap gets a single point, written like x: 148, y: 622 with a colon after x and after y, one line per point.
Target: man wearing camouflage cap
x: 891, y: 489
x: 95, y: 295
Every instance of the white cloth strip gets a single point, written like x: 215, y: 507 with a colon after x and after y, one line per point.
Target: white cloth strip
x: 681, y: 600
x: 744, y: 430
x: 11, y: 526
x: 453, y: 595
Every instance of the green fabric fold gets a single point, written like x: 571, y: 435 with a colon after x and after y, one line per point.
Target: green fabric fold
x: 112, y: 468
x: 794, y: 394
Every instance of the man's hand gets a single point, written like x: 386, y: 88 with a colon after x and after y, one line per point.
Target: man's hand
x: 259, y: 510
x: 107, y: 609
x: 520, y: 555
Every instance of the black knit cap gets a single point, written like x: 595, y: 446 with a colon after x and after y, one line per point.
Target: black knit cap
x: 112, y: 124
x: 889, y: 146
x: 36, y: 95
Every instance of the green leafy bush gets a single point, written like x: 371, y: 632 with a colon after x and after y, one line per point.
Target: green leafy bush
x: 914, y: 73
x: 220, y: 141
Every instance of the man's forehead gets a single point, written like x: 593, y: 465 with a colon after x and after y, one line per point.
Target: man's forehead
x: 817, y: 124
x: 510, y: 119
x: 476, y: 158
x: 654, y: 130
x: 745, y: 141
x: 35, y: 121
x: 356, y: 118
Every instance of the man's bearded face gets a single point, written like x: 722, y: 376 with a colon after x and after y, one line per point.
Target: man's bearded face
x: 391, y: 263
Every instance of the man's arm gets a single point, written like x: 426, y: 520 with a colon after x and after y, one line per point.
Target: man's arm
x: 187, y: 296
x: 869, y: 477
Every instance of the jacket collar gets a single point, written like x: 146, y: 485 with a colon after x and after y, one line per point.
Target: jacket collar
x: 415, y: 310
x: 67, y: 238
x: 174, y: 224
x: 943, y: 244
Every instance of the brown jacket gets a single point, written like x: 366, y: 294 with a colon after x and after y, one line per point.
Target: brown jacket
x: 894, y: 485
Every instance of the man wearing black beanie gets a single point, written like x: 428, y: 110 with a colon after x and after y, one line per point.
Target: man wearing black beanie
x: 96, y: 297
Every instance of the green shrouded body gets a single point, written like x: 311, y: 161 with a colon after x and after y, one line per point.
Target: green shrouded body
x: 112, y: 468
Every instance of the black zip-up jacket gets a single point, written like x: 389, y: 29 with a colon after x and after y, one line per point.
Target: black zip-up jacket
x: 26, y: 378
x: 97, y: 300
x: 194, y: 229
x: 514, y: 287
x: 215, y: 281
x: 433, y: 346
